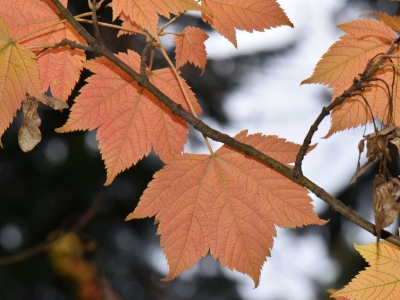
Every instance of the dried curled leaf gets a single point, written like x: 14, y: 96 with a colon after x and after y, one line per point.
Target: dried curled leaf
x: 386, y: 209
x: 55, y: 103
x: 29, y: 134
x: 376, y: 147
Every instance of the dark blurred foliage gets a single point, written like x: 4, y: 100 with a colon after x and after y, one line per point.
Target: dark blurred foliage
x: 52, y: 186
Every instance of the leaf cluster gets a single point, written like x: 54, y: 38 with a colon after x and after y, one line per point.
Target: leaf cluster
x: 227, y: 202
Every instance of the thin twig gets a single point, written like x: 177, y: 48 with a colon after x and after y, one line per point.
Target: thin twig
x: 73, y: 45
x: 95, y: 21
x: 190, y: 104
x: 248, y: 150
x: 160, y: 30
x: 115, y: 27
x: 143, y: 60
x: 86, y: 217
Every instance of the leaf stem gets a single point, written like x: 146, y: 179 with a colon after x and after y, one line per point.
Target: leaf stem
x: 164, y: 53
x: 115, y: 27
x: 49, y: 26
x: 39, y: 29
x: 151, y: 59
x: 160, y: 30
x: 95, y: 6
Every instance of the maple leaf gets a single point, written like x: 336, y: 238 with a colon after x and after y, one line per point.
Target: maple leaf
x: 130, y: 119
x: 145, y: 12
x: 332, y: 291
x: 392, y: 22
x: 246, y: 15
x: 346, y: 58
x: 59, y: 68
x: 379, y: 281
x: 19, y: 75
x: 225, y: 203
x: 190, y: 47
x: 127, y: 23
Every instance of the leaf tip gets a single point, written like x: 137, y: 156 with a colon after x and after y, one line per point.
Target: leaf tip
x: 129, y: 217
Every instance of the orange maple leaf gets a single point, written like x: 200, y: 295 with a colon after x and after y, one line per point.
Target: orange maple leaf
x: 59, y: 68
x: 130, y: 119
x: 392, y: 22
x: 246, y: 15
x: 332, y: 291
x: 145, y: 12
x: 190, y: 47
x: 19, y: 75
x: 129, y: 24
x: 346, y: 58
x: 379, y: 281
x: 225, y: 203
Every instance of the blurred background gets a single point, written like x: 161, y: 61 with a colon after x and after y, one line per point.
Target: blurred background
x: 59, y: 185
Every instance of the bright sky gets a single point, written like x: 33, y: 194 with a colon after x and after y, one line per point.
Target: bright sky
x: 273, y: 102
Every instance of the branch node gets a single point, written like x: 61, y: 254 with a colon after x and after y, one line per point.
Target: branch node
x: 143, y: 60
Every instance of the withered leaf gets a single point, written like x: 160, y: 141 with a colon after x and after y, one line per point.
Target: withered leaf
x: 386, y: 209
x: 55, y: 103
x: 396, y: 142
x: 29, y: 134
x: 376, y: 147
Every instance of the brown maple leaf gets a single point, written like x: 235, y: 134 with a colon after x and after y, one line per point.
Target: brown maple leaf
x: 386, y: 208
x: 225, y: 203
x: 29, y: 134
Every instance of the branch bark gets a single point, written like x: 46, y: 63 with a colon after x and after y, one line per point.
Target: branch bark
x: 248, y: 150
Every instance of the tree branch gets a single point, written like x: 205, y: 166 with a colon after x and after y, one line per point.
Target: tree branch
x: 248, y: 150
x: 358, y: 85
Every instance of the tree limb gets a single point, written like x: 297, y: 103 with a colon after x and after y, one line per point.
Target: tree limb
x: 248, y: 150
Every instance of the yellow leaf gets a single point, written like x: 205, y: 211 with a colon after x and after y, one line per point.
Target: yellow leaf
x: 19, y: 75
x: 379, y: 281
